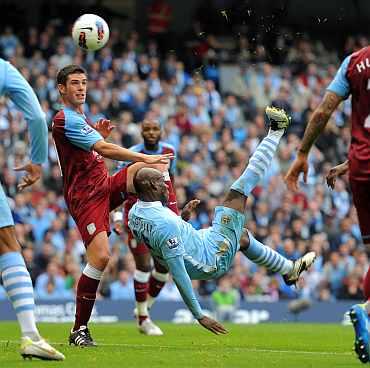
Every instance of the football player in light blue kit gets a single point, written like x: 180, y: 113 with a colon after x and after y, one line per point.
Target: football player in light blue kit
x: 209, y: 253
x: 15, y: 276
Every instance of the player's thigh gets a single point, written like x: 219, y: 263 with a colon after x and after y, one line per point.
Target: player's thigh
x: 22, y: 94
x: 229, y: 222
x: 361, y: 199
x: 98, y: 252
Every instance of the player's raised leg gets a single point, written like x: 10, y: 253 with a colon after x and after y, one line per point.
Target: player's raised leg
x: 97, y: 259
x: 18, y: 286
x: 241, y: 189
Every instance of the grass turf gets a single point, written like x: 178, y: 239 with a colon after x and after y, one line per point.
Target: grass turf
x: 257, y: 346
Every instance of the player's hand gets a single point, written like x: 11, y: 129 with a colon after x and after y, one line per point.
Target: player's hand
x: 158, y: 159
x: 212, y: 325
x: 118, y: 227
x: 34, y: 172
x: 189, y: 208
x: 298, y: 166
x: 104, y: 127
x: 336, y: 171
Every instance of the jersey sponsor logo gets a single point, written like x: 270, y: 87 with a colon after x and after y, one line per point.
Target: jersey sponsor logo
x: 225, y: 219
x: 91, y: 228
x: 173, y: 243
x: 87, y: 130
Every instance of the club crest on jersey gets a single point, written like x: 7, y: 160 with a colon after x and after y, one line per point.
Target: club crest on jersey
x: 91, y: 228
x: 172, y: 243
x: 87, y: 130
x: 225, y: 219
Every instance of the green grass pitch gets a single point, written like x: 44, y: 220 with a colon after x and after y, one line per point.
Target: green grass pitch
x: 258, y: 346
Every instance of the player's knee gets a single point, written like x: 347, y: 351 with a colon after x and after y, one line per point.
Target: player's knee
x: 101, y: 260
x: 143, y: 262
x: 244, y: 241
x: 144, y: 266
x: 8, y: 241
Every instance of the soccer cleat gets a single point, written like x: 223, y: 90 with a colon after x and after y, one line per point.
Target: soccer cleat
x: 81, y: 338
x: 278, y: 118
x: 39, y: 349
x: 359, y: 319
x: 147, y: 327
x: 300, y: 265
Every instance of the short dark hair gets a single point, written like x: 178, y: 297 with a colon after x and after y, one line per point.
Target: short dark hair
x: 63, y: 73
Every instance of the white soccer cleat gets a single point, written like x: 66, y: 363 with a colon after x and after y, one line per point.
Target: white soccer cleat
x: 300, y: 265
x: 278, y: 118
x: 39, y: 349
x: 147, y: 327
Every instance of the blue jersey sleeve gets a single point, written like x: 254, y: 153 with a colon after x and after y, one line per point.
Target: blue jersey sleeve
x: 171, y: 245
x: 173, y: 168
x: 182, y: 280
x: 26, y: 101
x: 340, y: 85
x: 79, y: 133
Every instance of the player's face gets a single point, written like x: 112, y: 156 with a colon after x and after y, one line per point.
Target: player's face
x: 162, y: 190
x: 74, y: 91
x: 151, y: 132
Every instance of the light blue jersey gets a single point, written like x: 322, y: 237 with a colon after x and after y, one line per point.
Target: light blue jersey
x: 188, y: 253
x: 17, y: 88
x: 340, y: 85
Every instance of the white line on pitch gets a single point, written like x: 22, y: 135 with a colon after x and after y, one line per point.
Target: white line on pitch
x: 236, y: 348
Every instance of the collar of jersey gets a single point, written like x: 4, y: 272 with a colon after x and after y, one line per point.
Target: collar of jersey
x: 149, y: 204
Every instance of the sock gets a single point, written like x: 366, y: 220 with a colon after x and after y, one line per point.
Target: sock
x: 367, y: 285
x: 258, y: 163
x: 266, y: 256
x: 86, y: 295
x: 141, y: 292
x: 156, y: 283
x: 18, y: 286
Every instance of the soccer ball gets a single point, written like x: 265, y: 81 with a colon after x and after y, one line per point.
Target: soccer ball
x: 90, y: 32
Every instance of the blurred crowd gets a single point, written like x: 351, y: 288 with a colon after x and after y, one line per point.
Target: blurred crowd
x: 214, y: 116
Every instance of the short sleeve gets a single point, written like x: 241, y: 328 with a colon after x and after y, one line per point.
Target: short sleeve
x: 340, y: 85
x: 171, y: 244
x: 173, y: 166
x: 79, y: 133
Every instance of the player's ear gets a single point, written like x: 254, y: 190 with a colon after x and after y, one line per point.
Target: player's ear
x: 61, y: 88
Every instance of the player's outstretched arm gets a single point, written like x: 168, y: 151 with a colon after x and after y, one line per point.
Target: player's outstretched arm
x: 177, y: 269
x: 115, y: 152
x: 316, y: 125
x: 336, y: 171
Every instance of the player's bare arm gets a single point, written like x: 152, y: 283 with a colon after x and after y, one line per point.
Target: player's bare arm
x: 115, y: 152
x: 189, y: 209
x: 335, y: 172
x: 316, y: 125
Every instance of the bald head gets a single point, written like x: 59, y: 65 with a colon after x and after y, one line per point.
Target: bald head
x: 150, y: 186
